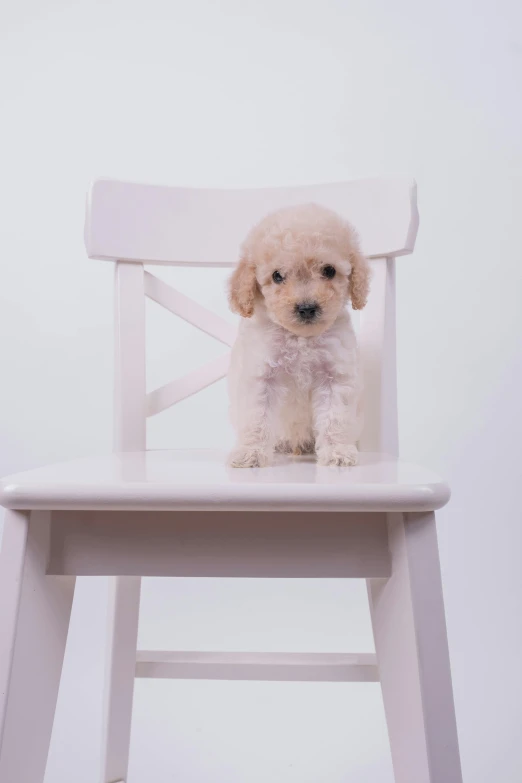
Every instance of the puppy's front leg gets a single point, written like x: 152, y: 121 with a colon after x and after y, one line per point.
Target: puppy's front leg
x: 336, y: 422
x: 255, y: 439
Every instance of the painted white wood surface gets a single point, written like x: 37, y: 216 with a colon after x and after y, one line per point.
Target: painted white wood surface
x: 157, y: 224
x: 274, y: 667
x: 38, y: 646
x: 407, y: 608
x: 122, y: 632
x: 173, y: 392
x: 124, y: 591
x: 192, y: 312
x: 12, y: 553
x: 200, y: 480
x: 129, y: 358
x: 90, y: 530
x: 195, y: 314
x: 377, y: 345
x: 412, y: 652
x: 220, y: 544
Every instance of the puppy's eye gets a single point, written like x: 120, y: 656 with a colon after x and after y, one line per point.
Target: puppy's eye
x: 277, y: 277
x: 328, y: 272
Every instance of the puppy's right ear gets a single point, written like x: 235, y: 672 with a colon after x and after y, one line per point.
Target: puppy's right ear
x: 243, y: 289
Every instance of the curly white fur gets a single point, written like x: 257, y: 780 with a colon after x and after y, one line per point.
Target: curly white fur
x: 296, y: 387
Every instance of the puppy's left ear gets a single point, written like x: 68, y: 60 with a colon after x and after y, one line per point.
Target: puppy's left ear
x: 359, y: 280
x: 243, y: 289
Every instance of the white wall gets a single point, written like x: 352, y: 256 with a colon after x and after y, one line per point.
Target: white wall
x: 236, y: 92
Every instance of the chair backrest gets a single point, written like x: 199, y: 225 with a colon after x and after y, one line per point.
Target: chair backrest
x: 136, y: 225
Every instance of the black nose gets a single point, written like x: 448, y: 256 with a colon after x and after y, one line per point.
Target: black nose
x: 307, y: 311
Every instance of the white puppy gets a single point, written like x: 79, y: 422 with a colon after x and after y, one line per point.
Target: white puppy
x: 294, y: 380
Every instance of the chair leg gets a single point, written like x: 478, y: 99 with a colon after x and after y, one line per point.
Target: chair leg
x: 123, y: 616
x: 34, y: 617
x: 412, y: 652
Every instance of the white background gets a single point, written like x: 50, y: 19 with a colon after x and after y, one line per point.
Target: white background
x: 233, y: 92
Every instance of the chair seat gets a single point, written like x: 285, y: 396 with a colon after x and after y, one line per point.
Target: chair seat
x: 201, y: 480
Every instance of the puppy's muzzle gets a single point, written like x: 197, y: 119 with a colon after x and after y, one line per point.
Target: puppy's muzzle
x: 307, y: 311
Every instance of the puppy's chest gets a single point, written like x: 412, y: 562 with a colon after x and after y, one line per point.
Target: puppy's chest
x: 304, y: 360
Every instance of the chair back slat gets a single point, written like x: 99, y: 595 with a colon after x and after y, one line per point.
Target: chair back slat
x: 379, y: 362
x: 183, y: 226
x: 129, y: 358
x: 189, y: 310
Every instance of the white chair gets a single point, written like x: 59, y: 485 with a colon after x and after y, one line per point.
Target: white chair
x: 138, y: 513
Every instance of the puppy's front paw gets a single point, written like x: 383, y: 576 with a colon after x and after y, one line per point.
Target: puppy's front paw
x: 340, y: 456
x: 306, y: 447
x: 283, y: 447
x: 249, y: 457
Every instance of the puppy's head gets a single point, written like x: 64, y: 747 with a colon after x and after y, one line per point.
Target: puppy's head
x: 302, y: 263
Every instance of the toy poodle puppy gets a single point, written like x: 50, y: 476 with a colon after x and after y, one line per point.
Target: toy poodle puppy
x: 294, y: 380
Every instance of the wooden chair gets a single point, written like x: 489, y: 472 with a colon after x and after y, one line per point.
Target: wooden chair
x: 185, y: 513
